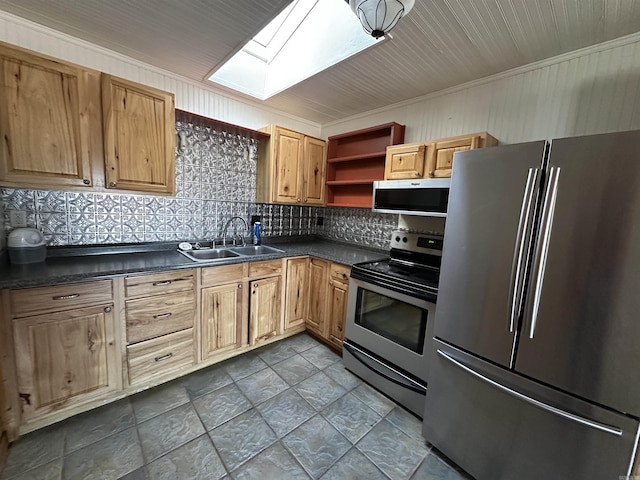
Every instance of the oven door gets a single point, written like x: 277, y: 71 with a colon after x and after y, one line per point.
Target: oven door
x: 394, y: 327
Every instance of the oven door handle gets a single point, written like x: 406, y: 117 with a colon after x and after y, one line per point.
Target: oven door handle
x: 389, y: 372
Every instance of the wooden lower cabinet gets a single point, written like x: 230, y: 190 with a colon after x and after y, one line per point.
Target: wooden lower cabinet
x: 160, y: 358
x: 337, y: 311
x: 317, y: 307
x: 328, y: 293
x: 264, y: 309
x: 66, y: 357
x: 296, y: 294
x: 222, y: 313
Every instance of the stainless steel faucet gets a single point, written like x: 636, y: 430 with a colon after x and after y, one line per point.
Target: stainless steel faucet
x: 224, y: 230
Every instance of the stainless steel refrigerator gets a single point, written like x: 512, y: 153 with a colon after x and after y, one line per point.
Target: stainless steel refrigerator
x: 535, y: 364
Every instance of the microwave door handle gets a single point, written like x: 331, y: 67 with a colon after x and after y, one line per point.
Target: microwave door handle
x: 546, y: 225
x: 516, y: 288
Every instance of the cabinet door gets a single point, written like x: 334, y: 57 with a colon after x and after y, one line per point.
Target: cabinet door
x: 265, y: 309
x: 315, y: 152
x: 297, y: 292
x: 47, y: 113
x: 405, y: 161
x: 440, y: 160
x: 318, y: 282
x: 286, y: 175
x: 64, y: 357
x: 139, y: 137
x: 221, y: 318
x: 338, y: 294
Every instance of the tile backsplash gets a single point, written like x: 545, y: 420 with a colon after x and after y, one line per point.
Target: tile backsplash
x: 215, y: 180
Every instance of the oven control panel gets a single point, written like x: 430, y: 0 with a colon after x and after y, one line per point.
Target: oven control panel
x: 417, y: 242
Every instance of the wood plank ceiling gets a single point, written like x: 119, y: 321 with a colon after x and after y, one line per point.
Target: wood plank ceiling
x: 441, y: 43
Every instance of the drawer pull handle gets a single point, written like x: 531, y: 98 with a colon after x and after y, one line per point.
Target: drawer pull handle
x: 66, y: 297
x: 164, y: 357
x: 163, y: 315
x: 162, y: 284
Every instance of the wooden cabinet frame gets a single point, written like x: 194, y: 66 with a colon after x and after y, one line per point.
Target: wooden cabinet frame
x: 139, y: 137
x: 50, y: 122
x: 291, y: 168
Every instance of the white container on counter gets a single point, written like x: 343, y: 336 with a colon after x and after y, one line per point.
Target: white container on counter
x: 26, y: 245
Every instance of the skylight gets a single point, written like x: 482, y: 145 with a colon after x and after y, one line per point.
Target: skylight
x: 305, y: 38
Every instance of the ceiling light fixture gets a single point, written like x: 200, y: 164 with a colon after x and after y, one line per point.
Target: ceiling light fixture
x: 378, y: 17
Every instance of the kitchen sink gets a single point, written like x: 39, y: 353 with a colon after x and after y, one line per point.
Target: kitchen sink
x: 209, y: 254
x: 255, y: 250
x: 213, y: 254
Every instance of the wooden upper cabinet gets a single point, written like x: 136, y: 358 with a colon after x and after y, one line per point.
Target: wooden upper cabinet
x: 432, y: 159
x: 288, y: 164
x: 291, y: 168
x: 405, y: 161
x: 50, y: 121
x: 139, y: 137
x: 313, y: 171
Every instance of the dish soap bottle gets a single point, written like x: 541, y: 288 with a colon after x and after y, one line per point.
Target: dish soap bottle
x: 256, y: 234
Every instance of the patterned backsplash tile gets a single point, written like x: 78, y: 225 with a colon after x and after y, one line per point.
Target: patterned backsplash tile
x: 215, y: 180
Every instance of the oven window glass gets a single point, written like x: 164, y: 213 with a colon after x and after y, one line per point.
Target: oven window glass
x: 397, y: 321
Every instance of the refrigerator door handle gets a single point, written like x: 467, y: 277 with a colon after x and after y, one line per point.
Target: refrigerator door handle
x: 550, y: 196
x: 532, y: 401
x: 516, y: 287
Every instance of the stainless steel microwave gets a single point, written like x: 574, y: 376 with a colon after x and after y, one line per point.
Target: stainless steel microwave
x: 426, y: 197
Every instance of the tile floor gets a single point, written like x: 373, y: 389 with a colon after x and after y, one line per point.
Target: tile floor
x: 286, y: 411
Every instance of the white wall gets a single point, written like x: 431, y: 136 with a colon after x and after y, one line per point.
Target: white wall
x: 190, y: 96
x: 593, y: 90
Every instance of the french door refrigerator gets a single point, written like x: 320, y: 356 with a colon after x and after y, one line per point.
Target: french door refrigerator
x: 535, y: 364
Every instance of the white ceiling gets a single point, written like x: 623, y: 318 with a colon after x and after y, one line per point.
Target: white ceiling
x: 441, y: 43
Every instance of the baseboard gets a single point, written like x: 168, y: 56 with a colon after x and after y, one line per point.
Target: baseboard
x: 4, y: 450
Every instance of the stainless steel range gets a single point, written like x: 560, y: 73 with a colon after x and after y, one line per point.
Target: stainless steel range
x: 390, y: 316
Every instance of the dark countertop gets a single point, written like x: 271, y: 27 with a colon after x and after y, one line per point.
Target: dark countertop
x: 74, y: 264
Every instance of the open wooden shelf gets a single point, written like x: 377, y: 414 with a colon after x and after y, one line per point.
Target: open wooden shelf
x: 362, y: 156
x: 351, y: 182
x: 355, y: 160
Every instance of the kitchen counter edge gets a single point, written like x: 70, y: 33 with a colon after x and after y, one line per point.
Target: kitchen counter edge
x: 69, y: 269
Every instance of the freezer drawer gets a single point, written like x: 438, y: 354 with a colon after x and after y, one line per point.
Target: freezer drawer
x: 499, y: 426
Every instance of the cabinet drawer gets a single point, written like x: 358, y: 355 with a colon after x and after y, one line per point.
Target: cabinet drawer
x: 159, y: 356
x: 159, y: 283
x: 152, y: 317
x: 340, y: 272
x: 60, y: 297
x: 223, y: 274
x: 266, y: 268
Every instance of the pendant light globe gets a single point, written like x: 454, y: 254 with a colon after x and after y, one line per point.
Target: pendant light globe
x: 378, y: 17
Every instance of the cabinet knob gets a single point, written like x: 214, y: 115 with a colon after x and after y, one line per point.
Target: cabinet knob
x: 255, y: 285
x: 331, y: 283
x: 297, y: 199
x: 107, y: 309
x: 432, y: 174
x: 112, y: 184
x: 239, y: 285
x: 86, y: 181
